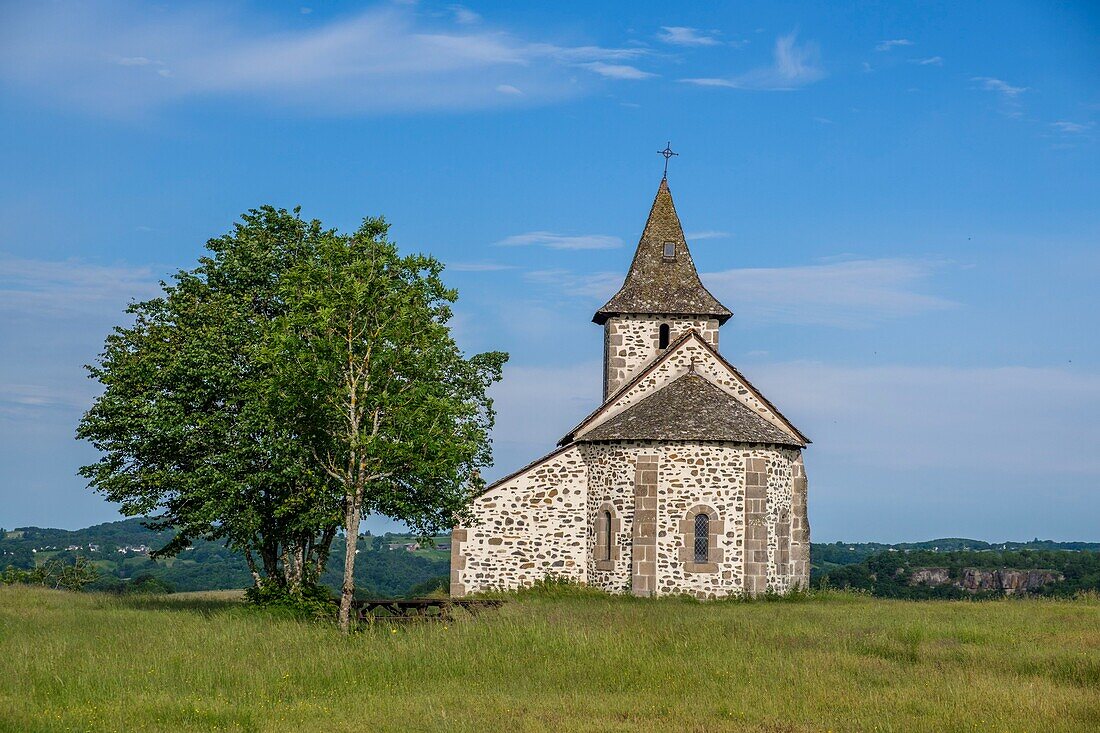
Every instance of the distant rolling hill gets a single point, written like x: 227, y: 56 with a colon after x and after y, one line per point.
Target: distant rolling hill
x: 120, y: 550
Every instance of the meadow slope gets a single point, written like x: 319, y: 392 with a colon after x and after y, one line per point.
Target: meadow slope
x: 552, y: 661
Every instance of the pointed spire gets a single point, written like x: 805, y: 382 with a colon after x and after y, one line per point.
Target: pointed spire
x: 662, y: 278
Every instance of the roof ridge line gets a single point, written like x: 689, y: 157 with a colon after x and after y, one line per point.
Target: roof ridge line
x: 524, y: 469
x: 673, y: 422
x: 756, y: 393
x: 568, y: 437
x: 656, y: 361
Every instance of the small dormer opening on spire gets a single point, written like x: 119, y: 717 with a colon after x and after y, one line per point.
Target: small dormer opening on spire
x: 662, y: 278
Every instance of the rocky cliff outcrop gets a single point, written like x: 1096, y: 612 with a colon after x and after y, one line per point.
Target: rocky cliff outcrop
x: 1005, y: 580
x: 930, y: 576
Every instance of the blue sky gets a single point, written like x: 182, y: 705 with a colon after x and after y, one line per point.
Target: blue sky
x: 899, y: 204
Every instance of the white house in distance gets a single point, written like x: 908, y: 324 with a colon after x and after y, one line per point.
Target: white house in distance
x: 685, y: 480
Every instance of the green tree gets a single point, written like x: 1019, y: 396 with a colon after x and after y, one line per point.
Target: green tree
x: 54, y: 574
x: 391, y: 409
x: 187, y: 424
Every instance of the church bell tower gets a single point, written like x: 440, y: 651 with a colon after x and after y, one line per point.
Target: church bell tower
x: 661, y: 299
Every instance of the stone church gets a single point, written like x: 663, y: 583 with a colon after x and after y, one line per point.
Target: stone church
x: 686, y: 479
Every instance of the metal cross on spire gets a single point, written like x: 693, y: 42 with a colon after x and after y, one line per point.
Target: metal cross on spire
x: 667, y: 152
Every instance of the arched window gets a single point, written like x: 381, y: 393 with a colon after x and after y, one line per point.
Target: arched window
x: 605, y: 528
x: 701, y: 531
x: 662, y: 336
x: 606, y: 525
x: 702, y: 537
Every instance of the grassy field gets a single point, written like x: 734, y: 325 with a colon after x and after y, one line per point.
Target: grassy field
x: 570, y: 661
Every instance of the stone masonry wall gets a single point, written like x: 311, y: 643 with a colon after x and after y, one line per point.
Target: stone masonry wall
x: 690, y: 355
x: 532, y: 526
x: 695, y: 475
x: 543, y: 521
x: 690, y: 475
x: 800, y: 526
x: 631, y: 342
x: 611, y: 474
x: 780, y: 488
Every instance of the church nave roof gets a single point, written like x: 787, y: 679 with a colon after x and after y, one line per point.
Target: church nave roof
x: 690, y: 408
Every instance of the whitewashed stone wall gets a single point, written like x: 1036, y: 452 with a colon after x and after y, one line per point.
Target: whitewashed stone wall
x: 631, y: 342
x: 555, y: 534
x: 532, y: 526
x: 780, y: 493
x: 611, y: 470
x: 800, y: 526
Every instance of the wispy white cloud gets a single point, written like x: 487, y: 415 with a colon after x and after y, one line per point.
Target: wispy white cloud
x: 1007, y: 94
x: 119, y: 59
x: 900, y: 418
x: 53, y: 317
x: 848, y: 294
x: 133, y: 61
x: 535, y: 406
x: 1000, y: 87
x: 69, y: 287
x: 706, y: 234
x: 880, y: 432
x: 617, y: 71
x: 794, y: 66
x: 930, y: 61
x: 29, y: 402
x: 684, y: 36
x: 1071, y: 127
x: 892, y: 44
x: 595, y: 285
x: 554, y: 240
x: 478, y: 266
x: 578, y: 54
x: 853, y: 294
x: 464, y: 15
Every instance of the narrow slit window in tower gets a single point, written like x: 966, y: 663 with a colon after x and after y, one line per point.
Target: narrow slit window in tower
x: 606, y: 530
x: 670, y: 250
x: 702, y: 537
x: 662, y: 336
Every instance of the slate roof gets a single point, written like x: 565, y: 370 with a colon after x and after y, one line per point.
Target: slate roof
x: 661, y: 358
x: 690, y: 408
x: 656, y: 284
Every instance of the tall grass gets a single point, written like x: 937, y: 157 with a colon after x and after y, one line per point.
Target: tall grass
x: 552, y: 660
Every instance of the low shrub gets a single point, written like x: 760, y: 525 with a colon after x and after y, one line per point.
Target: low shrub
x: 310, y: 601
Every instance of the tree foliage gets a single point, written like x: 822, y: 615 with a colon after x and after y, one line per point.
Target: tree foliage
x: 185, y: 423
x: 294, y: 381
x: 392, y: 411
x: 888, y: 574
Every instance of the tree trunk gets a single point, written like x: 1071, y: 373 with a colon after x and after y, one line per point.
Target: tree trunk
x: 351, y: 530
x: 288, y: 569
x: 300, y: 563
x: 270, y: 558
x: 323, y: 549
x: 252, y: 567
